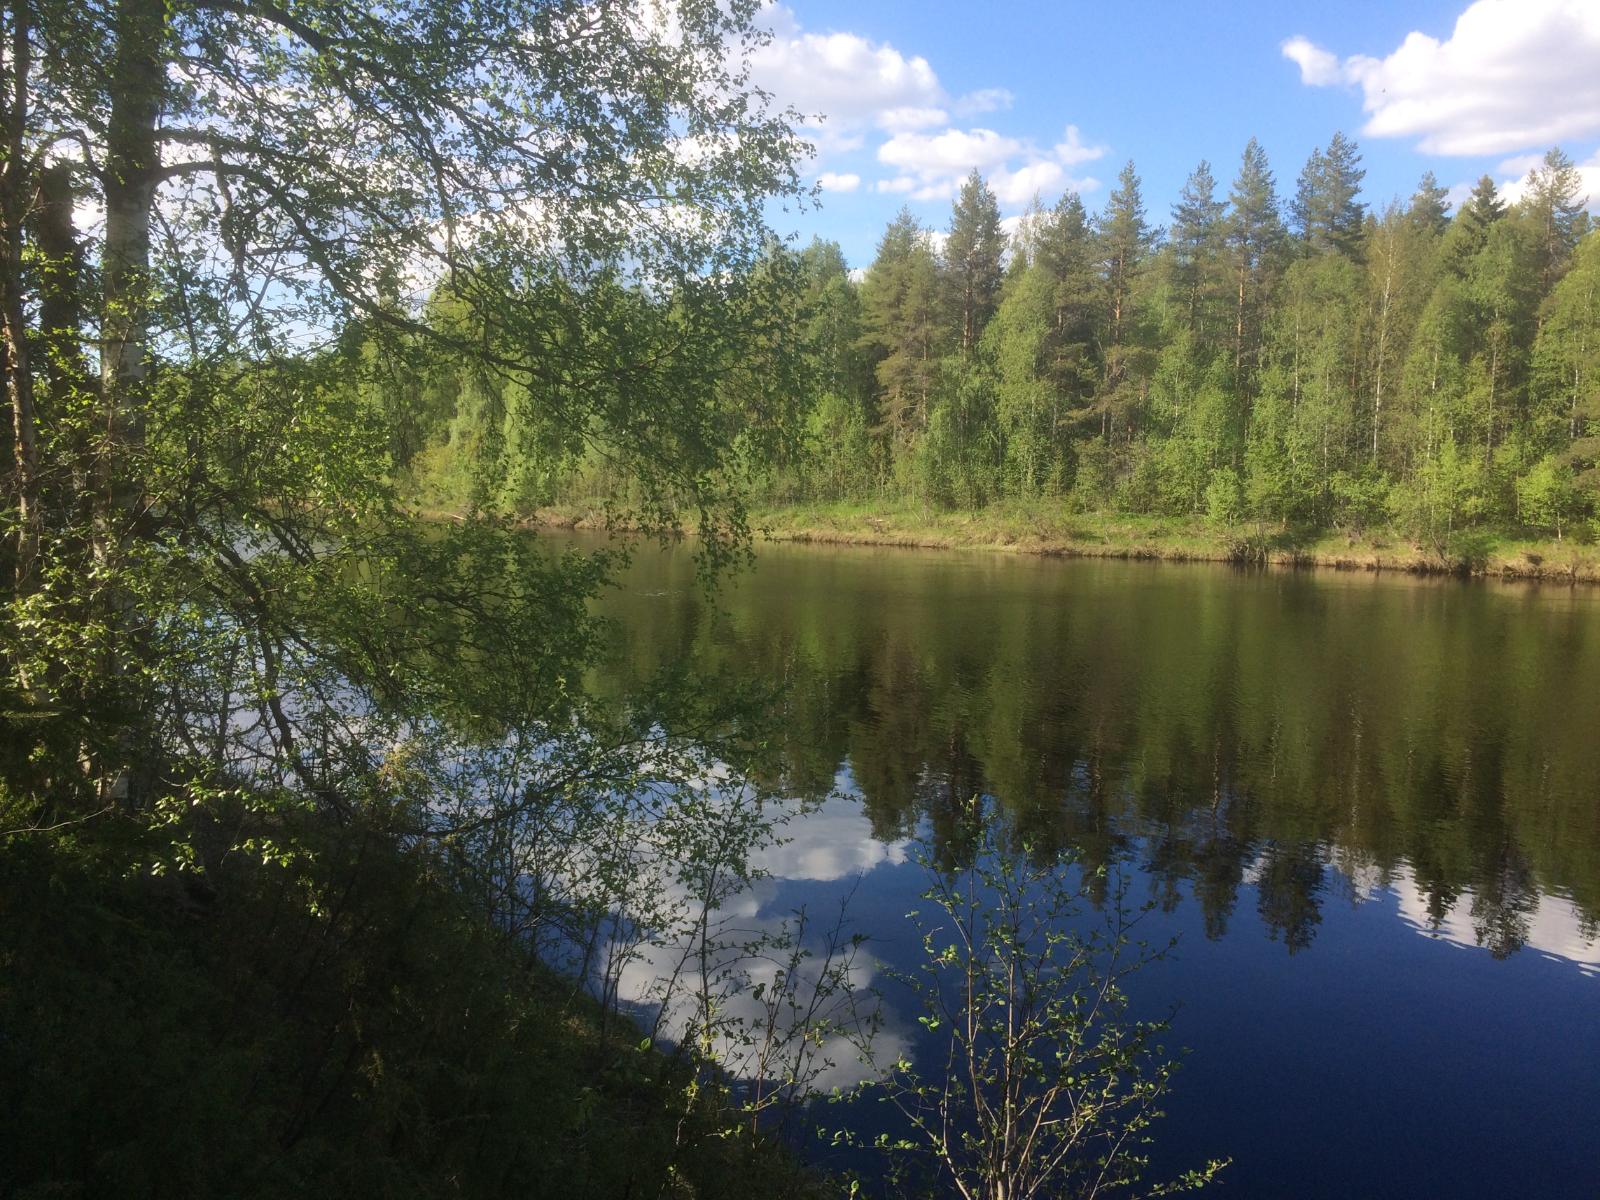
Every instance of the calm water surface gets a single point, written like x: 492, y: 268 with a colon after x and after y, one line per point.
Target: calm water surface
x: 1369, y: 806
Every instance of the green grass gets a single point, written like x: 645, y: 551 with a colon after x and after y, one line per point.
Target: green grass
x: 1052, y: 528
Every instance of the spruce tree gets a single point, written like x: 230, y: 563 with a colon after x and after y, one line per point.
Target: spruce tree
x: 1430, y: 208
x: 900, y: 307
x: 972, y: 258
x: 1125, y: 239
x: 1326, y: 213
x: 1066, y: 256
x: 1197, y: 234
x: 1254, y: 238
x: 832, y: 308
x: 1304, y: 209
x: 1470, y: 230
x: 1484, y: 206
x: 1567, y: 360
x: 1554, y: 203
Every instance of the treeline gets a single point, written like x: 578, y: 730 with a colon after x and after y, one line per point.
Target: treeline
x: 1325, y: 365
x: 1312, y: 364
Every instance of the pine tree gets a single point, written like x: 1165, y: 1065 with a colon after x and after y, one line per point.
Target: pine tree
x: 972, y: 258
x: 900, y: 309
x: 1197, y: 235
x: 1254, y: 237
x: 1430, y: 208
x: 1554, y: 204
x: 1326, y: 212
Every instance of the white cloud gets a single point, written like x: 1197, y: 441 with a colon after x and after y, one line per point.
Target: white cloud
x: 1554, y: 927
x: 1318, y: 67
x: 842, y: 79
x: 1513, y: 75
x: 932, y: 166
x: 845, y: 86
x: 984, y: 100
x: 834, y: 141
x: 1017, y: 187
x: 894, y: 119
x: 953, y: 152
x: 1520, y: 164
x: 1071, y: 150
x: 830, y: 842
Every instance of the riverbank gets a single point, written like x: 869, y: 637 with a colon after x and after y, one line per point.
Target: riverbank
x: 339, y: 1020
x: 1046, y: 529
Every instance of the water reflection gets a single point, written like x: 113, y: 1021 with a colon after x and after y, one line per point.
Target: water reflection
x: 1274, y: 735
x: 1394, y: 780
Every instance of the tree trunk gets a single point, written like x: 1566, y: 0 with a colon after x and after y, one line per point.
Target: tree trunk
x: 129, y: 177
x: 1383, y: 351
x: 129, y: 180
x: 16, y: 187
x: 1238, y: 327
x: 60, y: 284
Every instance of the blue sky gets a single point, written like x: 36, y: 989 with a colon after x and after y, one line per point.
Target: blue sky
x: 1046, y: 96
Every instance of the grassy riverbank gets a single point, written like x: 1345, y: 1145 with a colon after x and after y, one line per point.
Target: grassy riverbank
x: 1053, y: 529
x: 339, y: 1024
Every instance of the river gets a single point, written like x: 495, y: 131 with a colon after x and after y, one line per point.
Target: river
x: 1368, y: 807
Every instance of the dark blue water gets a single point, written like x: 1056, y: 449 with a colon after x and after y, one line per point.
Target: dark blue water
x: 1368, y: 808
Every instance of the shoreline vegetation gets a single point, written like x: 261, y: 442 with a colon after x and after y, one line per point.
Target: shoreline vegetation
x: 1051, y: 531
x: 1391, y: 387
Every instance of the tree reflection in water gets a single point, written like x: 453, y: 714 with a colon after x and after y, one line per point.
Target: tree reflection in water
x: 1220, y: 728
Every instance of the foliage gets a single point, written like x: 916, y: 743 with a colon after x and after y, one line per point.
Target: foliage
x: 341, y: 1023
x: 306, y: 801
x: 1046, y: 1085
x: 1326, y: 367
x: 1546, y: 497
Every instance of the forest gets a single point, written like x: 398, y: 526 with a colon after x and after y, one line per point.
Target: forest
x: 1321, y: 364
x: 325, y: 867
x: 333, y: 859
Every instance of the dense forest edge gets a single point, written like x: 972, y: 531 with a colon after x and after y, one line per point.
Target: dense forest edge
x: 1317, y: 382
